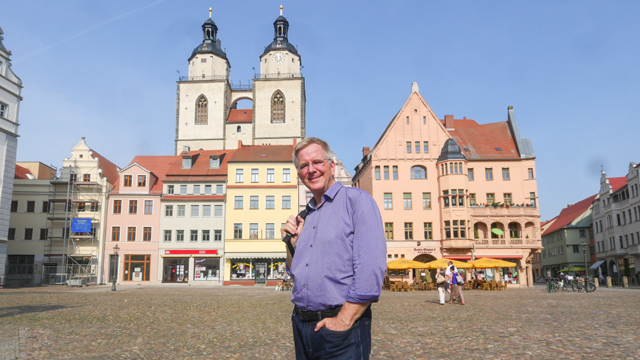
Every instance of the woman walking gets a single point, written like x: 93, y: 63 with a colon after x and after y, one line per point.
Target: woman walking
x: 456, y: 287
x: 441, y: 284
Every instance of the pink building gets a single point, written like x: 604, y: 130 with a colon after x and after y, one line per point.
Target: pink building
x: 454, y: 188
x: 133, y: 221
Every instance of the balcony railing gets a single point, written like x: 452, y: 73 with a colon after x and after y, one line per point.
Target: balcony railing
x: 202, y: 78
x: 511, y: 210
x: 467, y: 243
x: 277, y: 75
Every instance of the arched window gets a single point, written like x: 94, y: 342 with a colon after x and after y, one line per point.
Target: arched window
x: 202, y: 113
x: 277, y: 108
x: 239, y: 129
x: 418, y: 172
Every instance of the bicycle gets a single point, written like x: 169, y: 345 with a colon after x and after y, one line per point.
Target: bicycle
x: 579, y: 285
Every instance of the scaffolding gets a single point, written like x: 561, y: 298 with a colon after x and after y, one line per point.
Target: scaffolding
x: 73, y: 254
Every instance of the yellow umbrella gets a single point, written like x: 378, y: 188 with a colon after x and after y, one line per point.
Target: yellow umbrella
x: 404, y: 264
x: 445, y: 262
x: 489, y: 263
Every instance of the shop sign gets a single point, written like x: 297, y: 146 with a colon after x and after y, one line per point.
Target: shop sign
x: 424, y: 250
x: 79, y: 225
x: 191, y: 252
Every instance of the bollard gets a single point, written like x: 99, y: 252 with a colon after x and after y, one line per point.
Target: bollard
x: 550, y: 285
x: 596, y: 281
x: 609, y: 281
x: 625, y: 281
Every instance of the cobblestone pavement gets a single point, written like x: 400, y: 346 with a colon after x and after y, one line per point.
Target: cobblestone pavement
x: 164, y: 322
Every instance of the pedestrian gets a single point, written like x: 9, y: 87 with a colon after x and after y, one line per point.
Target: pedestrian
x: 456, y: 287
x: 448, y: 277
x: 441, y: 284
x: 338, y: 263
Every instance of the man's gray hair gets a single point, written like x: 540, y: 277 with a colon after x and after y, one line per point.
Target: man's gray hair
x: 328, y: 154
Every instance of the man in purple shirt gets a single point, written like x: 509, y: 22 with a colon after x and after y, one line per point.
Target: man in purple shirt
x: 339, y: 262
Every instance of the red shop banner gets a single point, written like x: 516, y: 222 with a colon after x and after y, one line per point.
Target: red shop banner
x: 191, y: 252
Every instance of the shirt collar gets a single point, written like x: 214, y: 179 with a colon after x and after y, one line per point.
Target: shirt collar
x: 329, y: 194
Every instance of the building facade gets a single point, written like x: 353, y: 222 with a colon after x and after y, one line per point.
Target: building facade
x: 454, y: 188
x: 616, y: 225
x: 10, y: 97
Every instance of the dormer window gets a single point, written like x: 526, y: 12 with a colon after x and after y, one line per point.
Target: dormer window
x: 214, y: 162
x: 186, y: 163
x: 142, y: 180
x: 128, y: 179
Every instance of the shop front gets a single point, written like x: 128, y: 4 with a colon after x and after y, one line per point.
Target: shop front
x: 191, y: 266
x: 256, y: 270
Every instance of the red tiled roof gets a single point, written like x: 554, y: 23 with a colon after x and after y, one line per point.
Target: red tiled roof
x: 22, y: 172
x: 482, y: 140
x: 570, y: 213
x: 200, y: 163
x: 109, y: 169
x: 158, y: 165
x: 263, y: 153
x: 617, y: 182
x: 237, y: 116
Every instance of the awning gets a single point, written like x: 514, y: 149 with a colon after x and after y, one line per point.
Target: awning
x: 206, y: 256
x: 459, y: 257
x: 478, y: 256
x: 175, y: 256
x: 596, y: 264
x: 249, y: 255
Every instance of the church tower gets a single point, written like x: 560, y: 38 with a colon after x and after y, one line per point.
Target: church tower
x: 279, y: 97
x: 203, y: 96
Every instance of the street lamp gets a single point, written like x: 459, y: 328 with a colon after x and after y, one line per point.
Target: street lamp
x: 116, y: 249
x: 586, y: 271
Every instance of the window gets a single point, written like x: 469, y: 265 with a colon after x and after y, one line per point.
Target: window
x: 115, y: 233
x: 181, y: 211
x: 271, y: 175
x: 286, y: 202
x: 238, y: 202
x: 386, y: 173
x: 214, y: 162
x: 193, y: 236
x: 142, y: 180
x: 472, y: 199
x: 4, y: 112
x: 179, y: 235
x: 81, y: 207
x: 206, y: 210
x: 532, y: 197
x: 219, y: 189
x: 286, y: 175
x: 408, y: 147
x: 31, y: 206
x: 377, y: 173
x: 488, y: 174
x: 133, y: 206
x: 207, y: 189
x: 74, y: 178
x: 196, y: 189
x: 183, y: 189
x: 530, y: 170
x: 45, y: 206
x: 388, y: 231
x: 505, y: 174
x: 253, y: 231
x: 490, y: 198
x: 117, y: 206
x: 217, y: 211
x: 11, y: 235
x: 202, y: 108
x: 167, y: 236
x: 28, y: 234
x: 470, y: 174
x: 217, y: 235
x: 94, y: 207
x: 408, y: 231
x: 407, y: 120
x: 168, y: 210
x: 426, y: 201
x: 186, y: 163
x: 14, y: 206
x: 428, y: 231
x: 237, y: 231
x: 269, y: 230
x: 195, y: 210
x: 460, y: 197
x: 86, y: 177
x: 395, y: 172
x: 254, y: 202
x: 255, y: 175
x: 239, y: 175
x: 507, y: 199
x: 425, y: 147
x: 447, y: 229
x: 206, y: 235
x: 418, y: 172
x: 170, y: 189
x: 131, y: 233
x: 271, y: 202
x: 146, y: 233
x: 43, y: 234
x: 277, y: 108
x: 406, y: 198
x: 148, y: 206
x: 417, y: 146
x: 128, y: 179
x: 388, y: 203
x: 583, y: 233
x: 239, y: 129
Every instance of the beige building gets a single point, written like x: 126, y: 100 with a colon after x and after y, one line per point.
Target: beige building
x: 454, y: 188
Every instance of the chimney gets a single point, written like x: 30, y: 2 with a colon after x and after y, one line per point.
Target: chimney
x: 239, y: 144
x: 365, y: 151
x: 295, y: 142
x: 448, y: 121
x: 185, y: 149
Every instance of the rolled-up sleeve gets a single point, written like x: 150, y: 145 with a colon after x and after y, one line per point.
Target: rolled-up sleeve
x: 369, y: 251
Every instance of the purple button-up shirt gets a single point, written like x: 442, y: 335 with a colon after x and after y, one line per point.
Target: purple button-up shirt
x: 341, y: 252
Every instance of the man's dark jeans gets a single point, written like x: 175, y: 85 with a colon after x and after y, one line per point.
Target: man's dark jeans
x: 354, y: 343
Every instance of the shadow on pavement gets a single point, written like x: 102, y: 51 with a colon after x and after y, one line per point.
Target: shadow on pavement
x: 26, y: 309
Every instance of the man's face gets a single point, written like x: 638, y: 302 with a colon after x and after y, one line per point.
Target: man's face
x: 315, y: 173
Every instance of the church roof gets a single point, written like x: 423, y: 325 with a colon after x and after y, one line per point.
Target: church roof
x: 240, y: 116
x: 280, y: 44
x: 484, y: 141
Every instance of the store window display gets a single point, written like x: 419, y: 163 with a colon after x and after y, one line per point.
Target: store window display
x: 206, y: 269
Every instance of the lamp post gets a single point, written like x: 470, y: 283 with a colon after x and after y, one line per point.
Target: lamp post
x: 116, y: 249
x: 586, y: 271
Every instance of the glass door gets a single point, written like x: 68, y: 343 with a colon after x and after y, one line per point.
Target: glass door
x: 261, y: 273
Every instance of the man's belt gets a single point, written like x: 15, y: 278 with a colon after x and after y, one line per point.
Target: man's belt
x: 306, y: 315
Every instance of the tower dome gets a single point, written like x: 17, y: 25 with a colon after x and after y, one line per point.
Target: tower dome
x: 210, y: 43
x: 281, y: 36
x: 451, y: 151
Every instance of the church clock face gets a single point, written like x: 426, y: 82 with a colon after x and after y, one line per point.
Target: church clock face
x: 279, y: 57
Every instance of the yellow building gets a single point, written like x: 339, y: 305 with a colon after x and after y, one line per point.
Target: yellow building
x: 262, y: 192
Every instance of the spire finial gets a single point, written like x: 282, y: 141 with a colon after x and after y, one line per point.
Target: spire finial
x: 280, y: 10
x: 210, y: 9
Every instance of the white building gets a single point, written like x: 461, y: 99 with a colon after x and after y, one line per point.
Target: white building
x: 616, y: 225
x: 10, y: 89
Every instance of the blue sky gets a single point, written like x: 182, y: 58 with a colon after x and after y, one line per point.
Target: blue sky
x: 569, y: 68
